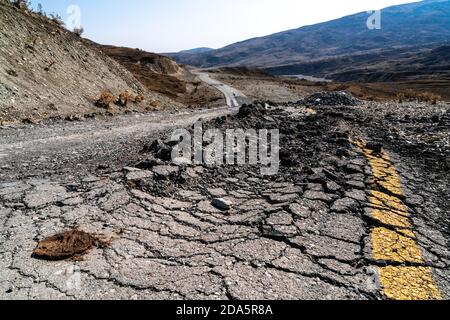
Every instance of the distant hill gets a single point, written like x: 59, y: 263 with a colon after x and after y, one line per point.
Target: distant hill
x: 382, y: 66
x: 423, y: 64
x: 187, y: 53
x: 195, y: 50
x: 414, y: 27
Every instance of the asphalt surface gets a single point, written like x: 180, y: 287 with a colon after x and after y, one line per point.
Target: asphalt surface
x: 339, y: 221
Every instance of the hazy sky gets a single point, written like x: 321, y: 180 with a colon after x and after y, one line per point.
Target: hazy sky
x: 174, y: 25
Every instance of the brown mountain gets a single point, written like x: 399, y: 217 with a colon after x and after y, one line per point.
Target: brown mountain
x: 384, y: 66
x: 327, y: 47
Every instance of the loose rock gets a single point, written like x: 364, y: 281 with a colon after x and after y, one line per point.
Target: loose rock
x: 222, y: 204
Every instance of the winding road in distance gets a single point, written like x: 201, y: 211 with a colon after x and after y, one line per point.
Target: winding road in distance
x: 233, y: 96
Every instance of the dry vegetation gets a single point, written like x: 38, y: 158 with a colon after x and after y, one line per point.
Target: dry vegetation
x: 26, y: 6
x: 124, y: 98
x: 412, y: 95
x: 107, y: 99
x: 401, y: 92
x: 139, y: 98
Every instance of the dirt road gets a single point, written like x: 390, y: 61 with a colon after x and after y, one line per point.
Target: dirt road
x: 77, y: 147
x: 233, y: 96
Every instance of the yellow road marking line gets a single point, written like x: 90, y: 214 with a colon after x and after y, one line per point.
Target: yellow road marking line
x: 397, y: 242
x: 388, y: 245
x: 409, y: 283
x: 392, y: 219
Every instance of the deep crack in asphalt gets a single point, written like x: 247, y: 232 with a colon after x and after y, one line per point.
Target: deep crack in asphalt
x: 304, y: 233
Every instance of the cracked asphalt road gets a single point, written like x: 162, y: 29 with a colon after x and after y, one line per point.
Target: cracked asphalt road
x: 308, y: 232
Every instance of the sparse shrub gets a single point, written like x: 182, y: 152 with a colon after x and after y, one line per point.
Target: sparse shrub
x: 429, y: 97
x: 105, y: 100
x: 153, y: 104
x: 22, y: 4
x: 139, y: 98
x: 40, y: 9
x: 401, y: 97
x: 56, y: 18
x: 78, y: 31
x: 124, y: 98
x: 411, y: 95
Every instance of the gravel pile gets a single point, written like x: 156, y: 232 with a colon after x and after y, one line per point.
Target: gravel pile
x: 256, y: 109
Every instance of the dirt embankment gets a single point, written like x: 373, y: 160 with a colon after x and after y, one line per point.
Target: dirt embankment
x: 163, y: 75
x: 47, y: 71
